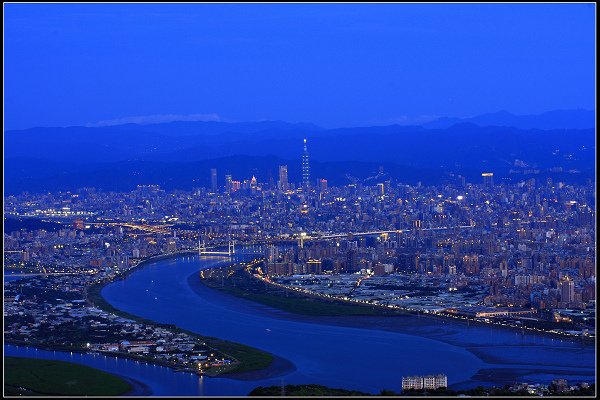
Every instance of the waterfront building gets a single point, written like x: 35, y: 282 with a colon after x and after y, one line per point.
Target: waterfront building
x: 171, y: 245
x: 383, y: 269
x: 314, y: 267
x: 441, y: 380
x: 567, y: 290
x: 412, y: 382
x: 430, y: 382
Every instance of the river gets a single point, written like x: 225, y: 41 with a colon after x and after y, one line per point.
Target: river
x: 361, y: 353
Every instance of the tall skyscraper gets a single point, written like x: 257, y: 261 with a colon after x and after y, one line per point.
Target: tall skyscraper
x: 305, y: 168
x: 488, y: 179
x: 323, y: 185
x: 228, y: 184
x: 213, y: 180
x: 567, y: 290
x: 283, y: 178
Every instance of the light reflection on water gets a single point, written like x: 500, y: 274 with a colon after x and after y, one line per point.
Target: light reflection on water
x: 337, y: 356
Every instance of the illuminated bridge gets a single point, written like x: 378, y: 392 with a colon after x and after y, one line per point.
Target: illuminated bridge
x: 304, y: 237
x: 203, y: 250
x: 339, y: 235
x: 248, y: 248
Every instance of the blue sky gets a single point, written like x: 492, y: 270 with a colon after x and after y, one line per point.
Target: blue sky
x: 330, y: 64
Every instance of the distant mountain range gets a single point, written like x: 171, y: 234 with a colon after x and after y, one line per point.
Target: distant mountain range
x: 558, y: 119
x: 180, y: 154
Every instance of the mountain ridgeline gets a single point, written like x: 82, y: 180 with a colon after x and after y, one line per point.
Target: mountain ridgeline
x: 178, y: 155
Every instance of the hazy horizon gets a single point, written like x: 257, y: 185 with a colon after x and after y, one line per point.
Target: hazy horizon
x: 334, y: 65
x: 167, y: 118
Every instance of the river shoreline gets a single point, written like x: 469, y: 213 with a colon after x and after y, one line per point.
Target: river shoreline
x: 134, y: 386
x: 137, y: 388
x: 123, y: 356
x: 423, y: 325
x: 496, y: 371
x: 278, y: 366
x: 415, y: 317
x: 406, y: 324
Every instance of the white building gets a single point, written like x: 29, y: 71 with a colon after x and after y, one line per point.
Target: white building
x: 412, y: 382
x: 431, y: 382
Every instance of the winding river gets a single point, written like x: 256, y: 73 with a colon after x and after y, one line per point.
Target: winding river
x: 361, y: 353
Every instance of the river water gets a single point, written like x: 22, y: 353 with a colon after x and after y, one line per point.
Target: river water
x: 361, y: 353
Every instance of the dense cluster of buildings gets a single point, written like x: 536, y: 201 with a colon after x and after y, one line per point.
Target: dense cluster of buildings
x: 53, y: 311
x: 524, y: 250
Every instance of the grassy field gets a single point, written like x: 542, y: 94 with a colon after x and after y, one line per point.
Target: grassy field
x: 51, y: 377
x: 250, y: 359
x: 242, y: 284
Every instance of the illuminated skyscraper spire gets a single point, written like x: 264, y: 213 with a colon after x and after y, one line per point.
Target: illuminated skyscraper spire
x: 305, y: 168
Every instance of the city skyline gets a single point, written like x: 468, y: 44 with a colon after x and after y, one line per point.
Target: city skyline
x: 476, y: 252
x: 312, y: 199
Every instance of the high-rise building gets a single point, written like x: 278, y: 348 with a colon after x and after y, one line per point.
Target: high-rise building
x: 504, y: 268
x: 381, y: 188
x: 412, y: 382
x: 567, y: 290
x: 305, y: 168
x: 283, y: 178
x: 228, y: 184
x: 314, y: 267
x: 271, y: 253
x: 429, y: 382
x: 441, y: 380
x: 352, y: 261
x: 323, y: 185
x: 213, y: 180
x: 471, y: 264
x: 171, y: 245
x: 488, y: 179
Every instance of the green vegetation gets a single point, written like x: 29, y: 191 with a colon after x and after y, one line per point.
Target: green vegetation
x: 238, y: 282
x: 250, y: 359
x: 318, y: 390
x: 303, y: 390
x: 49, y: 377
x: 241, y: 284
